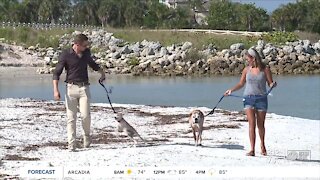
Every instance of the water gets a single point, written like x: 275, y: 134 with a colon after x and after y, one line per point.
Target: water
x: 297, y: 96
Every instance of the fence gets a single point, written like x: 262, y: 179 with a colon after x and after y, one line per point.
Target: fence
x: 226, y: 32
x: 78, y: 26
x: 42, y: 26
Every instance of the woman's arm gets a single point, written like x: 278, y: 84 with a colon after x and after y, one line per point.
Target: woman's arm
x: 240, y: 84
x: 269, y: 77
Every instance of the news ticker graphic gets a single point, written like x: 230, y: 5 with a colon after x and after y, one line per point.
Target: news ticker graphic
x: 299, y: 154
x: 168, y: 172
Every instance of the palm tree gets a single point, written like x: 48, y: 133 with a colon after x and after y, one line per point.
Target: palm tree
x: 50, y: 11
x: 108, y: 12
x: 134, y: 12
x: 30, y: 10
x: 85, y: 11
x: 8, y: 9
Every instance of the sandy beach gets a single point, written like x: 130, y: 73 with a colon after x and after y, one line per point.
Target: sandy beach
x: 33, y: 134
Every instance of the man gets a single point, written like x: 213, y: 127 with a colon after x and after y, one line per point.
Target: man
x: 75, y: 60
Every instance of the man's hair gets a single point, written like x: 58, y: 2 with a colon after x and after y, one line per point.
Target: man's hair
x: 80, y: 38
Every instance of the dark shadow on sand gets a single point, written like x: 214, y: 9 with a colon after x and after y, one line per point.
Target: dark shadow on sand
x: 224, y: 146
x: 306, y: 160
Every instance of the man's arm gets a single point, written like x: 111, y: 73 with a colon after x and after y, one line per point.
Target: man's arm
x: 95, y: 66
x: 56, y: 93
x: 56, y: 76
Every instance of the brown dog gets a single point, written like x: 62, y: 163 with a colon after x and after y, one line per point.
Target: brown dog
x: 196, y: 120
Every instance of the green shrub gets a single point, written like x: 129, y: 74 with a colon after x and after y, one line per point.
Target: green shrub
x: 279, y: 37
x: 133, y: 61
x: 23, y: 34
x: 194, y: 55
x: 6, y: 33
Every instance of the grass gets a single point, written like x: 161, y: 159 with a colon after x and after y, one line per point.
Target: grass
x: 50, y: 38
x: 199, y: 40
x: 31, y: 37
x: 313, y: 37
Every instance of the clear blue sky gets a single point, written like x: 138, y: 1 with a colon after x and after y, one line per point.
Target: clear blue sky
x: 269, y: 5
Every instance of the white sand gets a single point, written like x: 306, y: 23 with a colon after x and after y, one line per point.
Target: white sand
x: 37, y: 129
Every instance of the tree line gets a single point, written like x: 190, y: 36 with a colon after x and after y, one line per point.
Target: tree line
x: 303, y: 15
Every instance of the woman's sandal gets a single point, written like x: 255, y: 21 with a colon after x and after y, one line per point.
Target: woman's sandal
x: 251, y: 153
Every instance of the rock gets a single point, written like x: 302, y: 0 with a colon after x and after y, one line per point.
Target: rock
x: 299, y: 48
x: 147, y: 52
x: 236, y: 49
x: 116, y: 55
x: 288, y: 49
x: 237, y: 46
x: 303, y: 58
x: 260, y: 44
x: 47, y: 60
x: 125, y: 50
x: 136, y: 47
x: 32, y: 48
x: 2, y: 48
x: 171, y: 48
x: 163, y: 51
x: 126, y: 70
x: 155, y: 46
x: 76, y: 33
x: 293, y: 57
x: 186, y: 46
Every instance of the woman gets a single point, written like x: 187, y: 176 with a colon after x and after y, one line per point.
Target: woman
x: 255, y: 76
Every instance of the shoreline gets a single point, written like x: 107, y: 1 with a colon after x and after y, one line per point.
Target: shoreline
x: 32, y: 71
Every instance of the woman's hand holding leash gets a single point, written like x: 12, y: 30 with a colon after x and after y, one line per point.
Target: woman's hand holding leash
x: 228, y: 92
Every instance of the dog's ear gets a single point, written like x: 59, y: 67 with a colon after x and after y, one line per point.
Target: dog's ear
x: 119, y: 116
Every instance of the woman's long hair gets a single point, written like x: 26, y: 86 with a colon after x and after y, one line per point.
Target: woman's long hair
x: 257, y: 59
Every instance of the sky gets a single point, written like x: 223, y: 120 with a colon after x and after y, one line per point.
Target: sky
x: 269, y: 5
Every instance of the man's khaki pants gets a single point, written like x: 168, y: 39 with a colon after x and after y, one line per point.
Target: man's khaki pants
x: 77, y: 98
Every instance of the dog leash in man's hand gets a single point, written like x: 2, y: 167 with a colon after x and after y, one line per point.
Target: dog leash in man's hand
x: 100, y: 82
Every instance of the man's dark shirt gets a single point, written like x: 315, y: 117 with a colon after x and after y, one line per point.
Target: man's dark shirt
x: 76, y: 67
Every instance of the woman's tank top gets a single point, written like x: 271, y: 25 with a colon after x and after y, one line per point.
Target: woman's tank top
x: 255, y: 84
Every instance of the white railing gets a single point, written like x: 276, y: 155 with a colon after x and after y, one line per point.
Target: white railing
x: 44, y: 26
x: 226, y: 32
x: 79, y: 26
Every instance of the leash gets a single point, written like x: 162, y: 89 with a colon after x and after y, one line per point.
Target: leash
x: 107, y: 96
x: 212, y: 111
x: 262, y: 96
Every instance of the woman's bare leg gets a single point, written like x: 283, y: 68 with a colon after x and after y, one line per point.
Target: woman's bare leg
x: 261, y: 117
x: 252, y: 129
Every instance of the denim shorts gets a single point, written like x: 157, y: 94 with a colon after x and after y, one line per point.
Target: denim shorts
x: 257, y: 102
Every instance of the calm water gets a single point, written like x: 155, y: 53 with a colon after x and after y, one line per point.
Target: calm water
x: 297, y: 96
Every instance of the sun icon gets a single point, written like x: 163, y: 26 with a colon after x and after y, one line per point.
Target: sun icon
x: 129, y: 171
